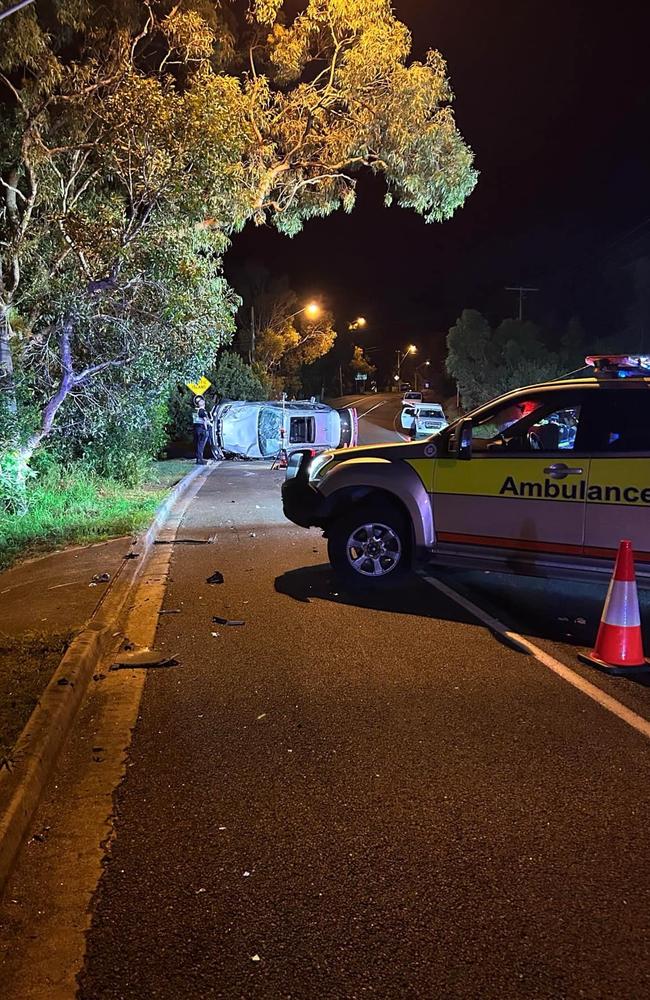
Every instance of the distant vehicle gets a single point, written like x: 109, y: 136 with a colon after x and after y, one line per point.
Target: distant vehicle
x: 404, y: 386
x: 262, y: 430
x: 423, y: 420
x: 410, y: 398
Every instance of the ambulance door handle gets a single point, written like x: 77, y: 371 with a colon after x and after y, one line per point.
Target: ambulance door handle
x: 561, y: 471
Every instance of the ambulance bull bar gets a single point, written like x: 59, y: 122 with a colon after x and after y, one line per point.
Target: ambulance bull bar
x: 352, y: 481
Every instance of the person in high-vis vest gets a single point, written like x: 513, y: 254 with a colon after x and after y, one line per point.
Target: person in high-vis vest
x: 200, y: 428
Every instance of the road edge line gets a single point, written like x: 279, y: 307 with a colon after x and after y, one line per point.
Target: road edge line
x: 38, y: 747
x: 616, y: 708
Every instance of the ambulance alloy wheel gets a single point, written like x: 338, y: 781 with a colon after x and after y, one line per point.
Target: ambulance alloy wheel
x: 369, y: 545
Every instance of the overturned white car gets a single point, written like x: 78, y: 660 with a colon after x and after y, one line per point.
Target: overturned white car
x: 263, y: 430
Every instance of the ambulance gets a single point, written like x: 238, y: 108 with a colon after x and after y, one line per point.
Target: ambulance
x: 545, y: 480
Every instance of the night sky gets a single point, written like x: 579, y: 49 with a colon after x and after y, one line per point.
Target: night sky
x: 554, y: 98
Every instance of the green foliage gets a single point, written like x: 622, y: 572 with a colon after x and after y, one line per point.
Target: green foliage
x: 71, y: 503
x: 234, y: 379
x: 124, y: 447
x: 486, y: 362
x: 135, y: 140
x: 14, y: 483
x: 360, y: 364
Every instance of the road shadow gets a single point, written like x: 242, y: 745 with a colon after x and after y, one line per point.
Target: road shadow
x: 413, y: 597
x: 562, y: 612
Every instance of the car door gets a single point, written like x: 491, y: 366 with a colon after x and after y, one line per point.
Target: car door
x: 524, y: 487
x: 618, y: 495
x: 407, y: 417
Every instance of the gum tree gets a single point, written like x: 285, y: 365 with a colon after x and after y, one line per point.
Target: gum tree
x: 137, y: 137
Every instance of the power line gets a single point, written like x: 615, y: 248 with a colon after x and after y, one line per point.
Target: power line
x: 15, y: 7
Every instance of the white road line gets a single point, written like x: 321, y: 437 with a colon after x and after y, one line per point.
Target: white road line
x: 376, y: 406
x: 404, y: 437
x: 590, y: 690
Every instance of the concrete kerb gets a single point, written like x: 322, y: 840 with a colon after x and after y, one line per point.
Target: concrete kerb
x: 42, y: 739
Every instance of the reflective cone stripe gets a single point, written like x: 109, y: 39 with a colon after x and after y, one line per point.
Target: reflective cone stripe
x: 622, y: 605
x: 619, y: 642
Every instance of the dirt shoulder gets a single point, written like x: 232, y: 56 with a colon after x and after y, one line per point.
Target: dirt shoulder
x: 26, y: 665
x: 45, y: 601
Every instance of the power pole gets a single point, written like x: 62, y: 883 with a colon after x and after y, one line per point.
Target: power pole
x: 521, y: 291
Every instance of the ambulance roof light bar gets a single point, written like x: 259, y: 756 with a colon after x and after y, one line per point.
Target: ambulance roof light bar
x: 619, y: 365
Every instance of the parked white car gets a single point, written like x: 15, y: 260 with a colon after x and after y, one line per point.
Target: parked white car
x: 262, y: 430
x: 423, y: 420
x: 411, y: 398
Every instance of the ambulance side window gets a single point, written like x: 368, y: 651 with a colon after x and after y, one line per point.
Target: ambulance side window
x: 623, y: 420
x: 528, y: 425
x: 491, y: 432
x: 555, y: 432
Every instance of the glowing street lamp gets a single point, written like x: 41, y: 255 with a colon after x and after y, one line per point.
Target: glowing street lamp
x: 401, y: 358
x: 425, y: 364
x: 312, y: 310
x: 358, y: 324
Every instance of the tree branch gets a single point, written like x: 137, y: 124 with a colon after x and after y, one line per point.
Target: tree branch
x: 95, y: 369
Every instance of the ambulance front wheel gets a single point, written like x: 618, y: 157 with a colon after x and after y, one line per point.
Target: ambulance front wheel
x: 369, y: 546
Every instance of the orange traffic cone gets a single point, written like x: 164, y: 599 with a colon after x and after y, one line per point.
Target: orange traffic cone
x: 619, y: 645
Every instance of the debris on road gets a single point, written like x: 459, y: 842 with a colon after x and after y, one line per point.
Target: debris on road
x: 101, y: 577
x: 40, y: 838
x: 185, y: 541
x: 216, y: 577
x: 132, y: 555
x: 169, y: 611
x: 255, y: 958
x: 227, y: 621
x: 143, y: 658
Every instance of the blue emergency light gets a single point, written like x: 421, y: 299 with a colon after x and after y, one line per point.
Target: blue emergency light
x: 620, y: 365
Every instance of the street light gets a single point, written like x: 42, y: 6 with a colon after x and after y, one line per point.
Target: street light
x: 425, y: 364
x: 401, y: 358
x: 358, y: 324
x: 312, y: 310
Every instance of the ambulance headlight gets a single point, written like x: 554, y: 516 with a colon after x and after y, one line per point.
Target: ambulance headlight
x: 318, y: 465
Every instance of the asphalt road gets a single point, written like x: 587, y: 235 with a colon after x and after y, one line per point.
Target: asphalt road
x: 346, y: 798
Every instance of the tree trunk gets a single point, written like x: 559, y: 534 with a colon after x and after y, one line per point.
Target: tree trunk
x: 52, y: 406
x: 7, y: 382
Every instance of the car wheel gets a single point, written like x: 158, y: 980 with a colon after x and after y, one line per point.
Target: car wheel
x: 369, y: 546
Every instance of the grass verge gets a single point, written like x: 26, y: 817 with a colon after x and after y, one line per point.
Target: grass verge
x: 74, y: 507
x: 26, y: 666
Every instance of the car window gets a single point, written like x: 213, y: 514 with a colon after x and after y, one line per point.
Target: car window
x: 302, y: 430
x: 555, y: 432
x: 527, y: 426
x: 623, y: 421
x: 269, y: 428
